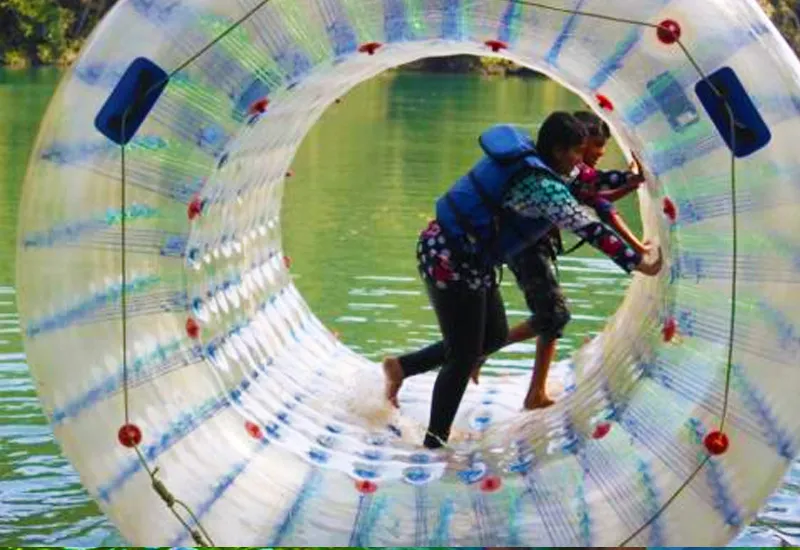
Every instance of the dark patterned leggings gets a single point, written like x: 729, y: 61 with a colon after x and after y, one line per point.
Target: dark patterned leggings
x: 473, y: 324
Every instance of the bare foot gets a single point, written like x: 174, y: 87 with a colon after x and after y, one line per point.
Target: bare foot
x: 538, y: 402
x: 476, y: 370
x: 394, y: 379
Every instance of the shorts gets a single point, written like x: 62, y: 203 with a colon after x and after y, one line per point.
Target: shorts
x: 533, y: 269
x: 449, y: 262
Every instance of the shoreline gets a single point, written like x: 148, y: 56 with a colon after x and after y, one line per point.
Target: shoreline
x: 454, y: 65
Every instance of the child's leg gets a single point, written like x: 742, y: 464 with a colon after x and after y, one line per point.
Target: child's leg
x: 430, y: 247
x: 520, y: 265
x: 544, y: 298
x: 462, y: 315
x: 532, y: 268
x: 522, y: 332
x: 495, y: 334
x: 393, y: 375
x: 618, y: 223
x: 432, y: 357
x: 537, y: 397
x: 424, y: 360
x: 397, y: 369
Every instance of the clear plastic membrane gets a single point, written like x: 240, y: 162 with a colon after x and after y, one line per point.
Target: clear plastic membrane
x: 273, y: 432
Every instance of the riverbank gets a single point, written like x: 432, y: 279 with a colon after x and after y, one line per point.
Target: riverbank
x: 469, y: 64
x: 459, y: 64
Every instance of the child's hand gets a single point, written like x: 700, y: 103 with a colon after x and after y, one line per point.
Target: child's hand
x: 636, y: 165
x: 651, y: 268
x: 646, y: 248
x: 634, y: 180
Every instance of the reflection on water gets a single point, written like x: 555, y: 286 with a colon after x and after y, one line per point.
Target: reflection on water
x: 365, y: 182
x: 366, y: 178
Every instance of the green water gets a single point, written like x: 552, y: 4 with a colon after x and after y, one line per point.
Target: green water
x: 365, y: 184
x: 366, y: 178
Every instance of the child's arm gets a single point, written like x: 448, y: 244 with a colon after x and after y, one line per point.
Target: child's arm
x: 618, y: 223
x: 609, y: 214
x: 546, y: 198
x: 614, y: 185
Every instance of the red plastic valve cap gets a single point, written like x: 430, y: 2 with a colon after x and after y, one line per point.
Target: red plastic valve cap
x: 366, y: 487
x: 259, y: 106
x: 195, y: 208
x: 670, y: 329
x: 604, y: 102
x: 129, y: 435
x: 370, y: 47
x: 669, y: 31
x: 253, y: 429
x: 287, y: 261
x: 601, y: 430
x: 670, y: 210
x: 496, y: 45
x: 716, y: 443
x: 490, y: 484
x: 192, y: 329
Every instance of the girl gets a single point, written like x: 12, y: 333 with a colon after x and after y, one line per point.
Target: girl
x: 510, y: 199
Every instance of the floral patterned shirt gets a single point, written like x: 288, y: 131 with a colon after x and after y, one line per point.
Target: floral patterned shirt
x: 445, y: 261
x: 589, y: 185
x: 542, y: 196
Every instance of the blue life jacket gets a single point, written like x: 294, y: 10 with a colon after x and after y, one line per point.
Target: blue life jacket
x: 473, y: 207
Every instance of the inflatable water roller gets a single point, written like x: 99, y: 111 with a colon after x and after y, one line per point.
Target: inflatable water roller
x: 202, y: 401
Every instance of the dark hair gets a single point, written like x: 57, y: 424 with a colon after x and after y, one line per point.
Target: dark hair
x: 595, y: 126
x: 559, y: 131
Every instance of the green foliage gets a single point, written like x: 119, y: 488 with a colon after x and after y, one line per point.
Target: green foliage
x: 466, y: 64
x: 46, y: 32
x: 16, y: 59
x: 784, y: 14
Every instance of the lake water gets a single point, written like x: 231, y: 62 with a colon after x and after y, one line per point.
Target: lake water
x: 364, y: 184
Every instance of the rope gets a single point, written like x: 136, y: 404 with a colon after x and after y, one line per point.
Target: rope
x: 124, y: 296
x: 235, y: 25
x: 158, y: 486
x: 200, y: 535
x: 582, y: 13
x: 669, y: 501
x: 735, y: 267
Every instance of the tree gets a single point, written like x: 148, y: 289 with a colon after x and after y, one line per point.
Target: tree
x: 46, y: 31
x: 784, y: 13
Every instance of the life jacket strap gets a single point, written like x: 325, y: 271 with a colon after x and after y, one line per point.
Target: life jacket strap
x: 574, y: 248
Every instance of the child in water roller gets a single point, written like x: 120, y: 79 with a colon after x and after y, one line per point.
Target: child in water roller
x: 600, y: 189
x: 532, y: 266
x: 511, y: 198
